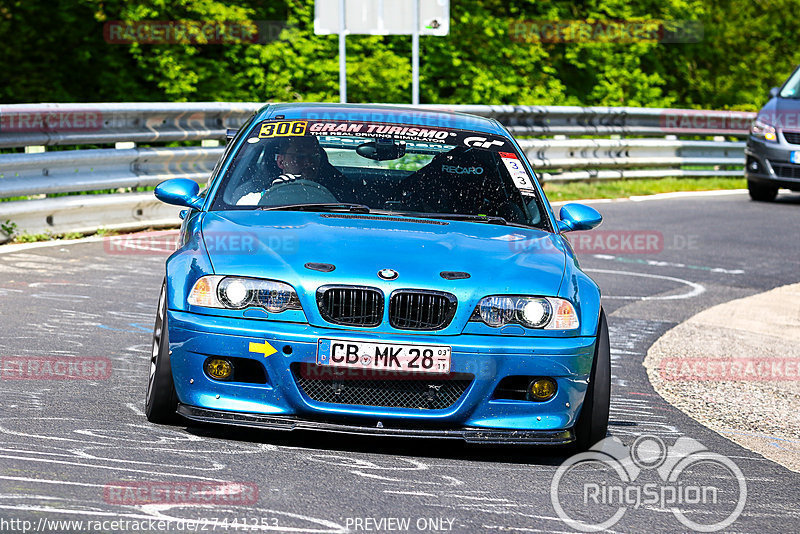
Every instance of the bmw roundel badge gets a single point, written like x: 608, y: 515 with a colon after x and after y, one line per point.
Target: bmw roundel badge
x: 388, y: 274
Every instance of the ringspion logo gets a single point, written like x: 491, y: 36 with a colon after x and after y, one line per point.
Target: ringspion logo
x: 592, y: 491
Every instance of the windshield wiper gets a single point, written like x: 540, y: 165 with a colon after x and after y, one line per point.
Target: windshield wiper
x: 327, y: 206
x: 489, y: 219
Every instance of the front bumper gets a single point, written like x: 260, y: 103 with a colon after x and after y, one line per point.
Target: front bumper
x: 281, y: 403
x: 769, y: 163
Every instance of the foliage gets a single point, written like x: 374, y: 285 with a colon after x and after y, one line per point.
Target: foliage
x: 105, y: 232
x: 55, y: 51
x: 9, y: 228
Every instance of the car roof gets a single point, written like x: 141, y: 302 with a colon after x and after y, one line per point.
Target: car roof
x: 382, y: 113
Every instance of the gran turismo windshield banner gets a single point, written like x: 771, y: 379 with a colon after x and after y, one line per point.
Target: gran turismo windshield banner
x: 400, y: 132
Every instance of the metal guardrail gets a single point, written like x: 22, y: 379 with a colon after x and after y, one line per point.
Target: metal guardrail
x: 631, y: 158
x: 99, y: 169
x: 70, y: 171
x: 604, y: 121
x: 86, y: 124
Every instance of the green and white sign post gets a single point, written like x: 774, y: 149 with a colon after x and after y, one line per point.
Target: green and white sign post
x: 381, y: 17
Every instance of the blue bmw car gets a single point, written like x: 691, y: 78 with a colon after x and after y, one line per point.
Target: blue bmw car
x: 379, y: 270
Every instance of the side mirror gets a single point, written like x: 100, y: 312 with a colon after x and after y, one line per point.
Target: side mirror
x: 773, y: 92
x: 180, y: 192
x: 578, y: 217
x: 230, y: 133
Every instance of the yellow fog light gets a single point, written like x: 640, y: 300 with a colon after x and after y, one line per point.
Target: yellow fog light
x: 542, y: 389
x: 219, y: 369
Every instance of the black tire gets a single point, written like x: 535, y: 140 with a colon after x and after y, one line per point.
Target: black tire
x: 161, y: 400
x: 592, y: 423
x: 762, y: 193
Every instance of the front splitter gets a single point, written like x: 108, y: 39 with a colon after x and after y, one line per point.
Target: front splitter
x: 482, y: 436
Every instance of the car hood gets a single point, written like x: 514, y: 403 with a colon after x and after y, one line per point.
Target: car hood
x: 278, y: 244
x: 781, y: 113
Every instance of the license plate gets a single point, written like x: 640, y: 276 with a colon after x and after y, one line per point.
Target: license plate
x: 384, y: 356
x: 794, y: 156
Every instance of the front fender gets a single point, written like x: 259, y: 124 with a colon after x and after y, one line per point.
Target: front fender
x: 188, y: 263
x: 579, y: 288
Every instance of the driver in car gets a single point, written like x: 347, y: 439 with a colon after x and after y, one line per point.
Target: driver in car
x: 302, y: 158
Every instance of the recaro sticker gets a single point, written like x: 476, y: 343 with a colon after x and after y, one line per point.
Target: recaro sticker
x: 458, y: 169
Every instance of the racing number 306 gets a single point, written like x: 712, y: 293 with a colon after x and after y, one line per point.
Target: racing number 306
x: 282, y: 129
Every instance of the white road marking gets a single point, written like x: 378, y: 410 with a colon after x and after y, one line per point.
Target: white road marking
x: 61, y: 483
x: 449, y: 481
x: 524, y: 529
x: 657, y: 263
x: 696, y: 290
x: 135, y: 409
x: 111, y: 467
x: 418, y: 493
x: 688, y: 194
x: 477, y: 498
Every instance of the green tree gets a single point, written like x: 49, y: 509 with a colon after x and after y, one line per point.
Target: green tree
x: 55, y: 51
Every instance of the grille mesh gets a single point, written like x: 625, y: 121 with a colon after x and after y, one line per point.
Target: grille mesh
x: 403, y: 392
x: 786, y: 171
x: 792, y: 137
x: 421, y: 310
x: 351, y: 305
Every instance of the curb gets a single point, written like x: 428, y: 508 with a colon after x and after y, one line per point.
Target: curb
x: 735, y: 368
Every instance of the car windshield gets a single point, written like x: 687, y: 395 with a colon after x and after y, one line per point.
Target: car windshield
x: 791, y: 89
x: 409, y: 170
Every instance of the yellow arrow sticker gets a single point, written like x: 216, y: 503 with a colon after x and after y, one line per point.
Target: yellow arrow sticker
x: 266, y: 349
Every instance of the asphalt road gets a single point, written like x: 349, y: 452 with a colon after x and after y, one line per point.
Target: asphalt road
x: 68, y: 447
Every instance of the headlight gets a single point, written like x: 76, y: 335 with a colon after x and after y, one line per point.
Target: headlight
x: 496, y: 311
x: 763, y: 130
x: 236, y: 293
x: 533, y: 312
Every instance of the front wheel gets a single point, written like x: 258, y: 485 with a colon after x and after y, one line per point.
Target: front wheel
x: 161, y: 400
x: 762, y: 193
x: 592, y: 423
